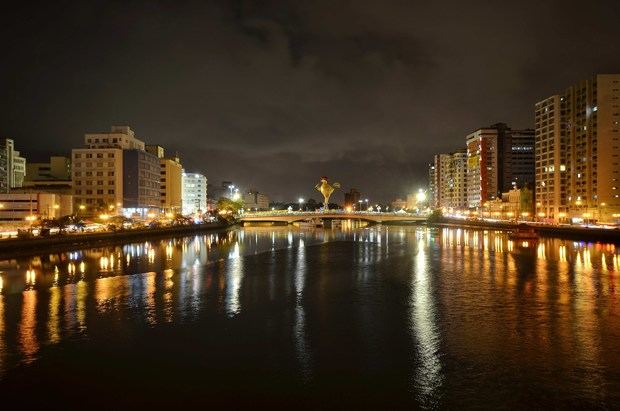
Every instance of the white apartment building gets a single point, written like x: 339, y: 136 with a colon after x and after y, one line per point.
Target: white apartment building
x: 194, y: 193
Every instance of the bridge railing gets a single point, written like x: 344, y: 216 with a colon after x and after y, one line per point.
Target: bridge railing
x: 274, y: 213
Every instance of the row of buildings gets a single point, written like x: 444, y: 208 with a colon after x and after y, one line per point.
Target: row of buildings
x: 495, y: 160
x: 113, y: 173
x: 569, y: 161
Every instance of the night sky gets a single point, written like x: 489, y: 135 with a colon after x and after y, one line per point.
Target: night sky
x: 274, y: 94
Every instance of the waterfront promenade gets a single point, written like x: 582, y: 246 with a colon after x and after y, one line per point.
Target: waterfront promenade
x: 11, y: 247
x: 573, y: 232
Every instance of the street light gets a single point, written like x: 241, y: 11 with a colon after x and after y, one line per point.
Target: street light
x: 231, y: 187
x: 420, y: 196
x: 301, y: 201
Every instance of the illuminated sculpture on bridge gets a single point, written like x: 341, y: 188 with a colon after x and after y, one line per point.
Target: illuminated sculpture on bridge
x: 326, y: 189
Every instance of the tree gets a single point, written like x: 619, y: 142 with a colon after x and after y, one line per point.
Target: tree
x: 226, y: 204
x: 436, y: 216
x: 312, y: 205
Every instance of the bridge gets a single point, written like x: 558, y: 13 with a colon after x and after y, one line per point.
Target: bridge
x: 290, y: 217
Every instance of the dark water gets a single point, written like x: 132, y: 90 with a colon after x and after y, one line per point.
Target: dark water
x: 374, y: 317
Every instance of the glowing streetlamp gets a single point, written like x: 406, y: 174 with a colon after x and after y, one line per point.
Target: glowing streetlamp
x: 420, y: 196
x: 300, y: 201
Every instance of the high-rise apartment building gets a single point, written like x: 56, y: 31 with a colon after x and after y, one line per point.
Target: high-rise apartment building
x: 578, y: 151
x: 432, y: 186
x: 98, y: 172
x: 517, y: 168
x: 456, y: 190
x: 450, y: 180
x: 171, y: 180
x: 194, y: 193
x: 498, y: 159
x: 141, y: 182
x: 12, y: 166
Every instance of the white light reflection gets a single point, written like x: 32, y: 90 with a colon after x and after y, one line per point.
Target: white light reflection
x: 427, y: 375
x: 234, y: 276
x: 299, y: 330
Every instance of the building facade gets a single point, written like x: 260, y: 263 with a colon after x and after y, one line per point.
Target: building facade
x: 351, y: 199
x: 194, y: 192
x: 58, y: 169
x: 498, y: 160
x: 518, y: 165
x: 12, y: 166
x: 22, y: 208
x: 171, y: 188
x: 432, y: 186
x: 141, y: 182
x: 578, y: 152
x: 254, y: 200
x: 482, y: 166
x: 97, y: 170
x: 171, y: 180
x: 450, y: 180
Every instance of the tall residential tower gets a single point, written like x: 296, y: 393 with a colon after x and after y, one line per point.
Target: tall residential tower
x: 578, y: 151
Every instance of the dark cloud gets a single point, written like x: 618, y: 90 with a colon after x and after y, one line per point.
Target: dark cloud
x: 274, y: 94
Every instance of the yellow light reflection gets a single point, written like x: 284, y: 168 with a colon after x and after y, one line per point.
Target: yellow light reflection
x: 27, y: 337
x: 53, y: 322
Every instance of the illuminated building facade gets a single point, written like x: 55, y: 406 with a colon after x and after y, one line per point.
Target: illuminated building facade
x: 194, y: 193
x: 171, y: 180
x: 498, y: 160
x: 12, y: 166
x: 98, y: 172
x: 578, y: 152
x: 254, y: 200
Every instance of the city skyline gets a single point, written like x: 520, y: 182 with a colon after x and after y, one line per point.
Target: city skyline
x: 245, y: 91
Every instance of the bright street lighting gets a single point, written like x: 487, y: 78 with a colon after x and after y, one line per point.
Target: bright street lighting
x: 420, y: 196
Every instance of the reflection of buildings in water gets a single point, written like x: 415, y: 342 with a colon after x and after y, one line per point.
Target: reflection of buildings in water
x: 27, y: 329
x: 148, y: 297
x: 3, y: 344
x: 81, y: 295
x: 168, y: 309
x: 53, y: 321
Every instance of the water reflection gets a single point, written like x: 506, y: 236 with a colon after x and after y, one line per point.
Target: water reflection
x: 427, y: 374
x: 470, y: 295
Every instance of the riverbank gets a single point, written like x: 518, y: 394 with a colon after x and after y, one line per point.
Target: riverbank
x: 15, y: 247
x: 567, y: 232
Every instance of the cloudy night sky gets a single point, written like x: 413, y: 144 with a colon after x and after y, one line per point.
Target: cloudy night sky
x: 274, y: 94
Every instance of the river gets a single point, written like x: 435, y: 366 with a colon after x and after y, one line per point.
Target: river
x: 387, y: 316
